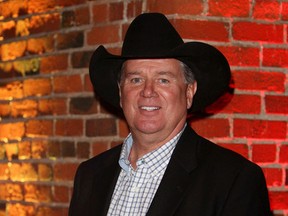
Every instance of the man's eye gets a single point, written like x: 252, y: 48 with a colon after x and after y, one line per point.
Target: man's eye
x: 164, y: 81
x: 136, y: 80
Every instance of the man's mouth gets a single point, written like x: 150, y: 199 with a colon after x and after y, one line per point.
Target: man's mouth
x: 149, y: 108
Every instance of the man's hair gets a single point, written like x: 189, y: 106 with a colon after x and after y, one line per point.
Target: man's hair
x: 188, y: 73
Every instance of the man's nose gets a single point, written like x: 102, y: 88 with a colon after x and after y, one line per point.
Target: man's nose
x: 148, y: 89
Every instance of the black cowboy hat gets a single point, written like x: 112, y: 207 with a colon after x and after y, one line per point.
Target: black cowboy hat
x: 151, y: 35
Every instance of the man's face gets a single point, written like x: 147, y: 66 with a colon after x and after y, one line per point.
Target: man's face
x: 154, y: 96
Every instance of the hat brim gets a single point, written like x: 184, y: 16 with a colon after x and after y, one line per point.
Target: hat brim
x: 210, y: 67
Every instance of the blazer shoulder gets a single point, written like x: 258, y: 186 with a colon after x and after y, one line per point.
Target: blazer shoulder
x: 214, y: 155
x: 102, y: 160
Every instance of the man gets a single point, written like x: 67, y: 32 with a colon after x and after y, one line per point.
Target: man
x: 163, y: 167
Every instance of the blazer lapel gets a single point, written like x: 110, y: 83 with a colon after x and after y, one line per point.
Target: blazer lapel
x: 177, y: 176
x: 103, y: 187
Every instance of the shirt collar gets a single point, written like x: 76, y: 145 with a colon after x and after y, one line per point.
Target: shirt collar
x: 152, y: 158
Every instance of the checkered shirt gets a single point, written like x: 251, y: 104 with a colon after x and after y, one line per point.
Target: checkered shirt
x: 135, y: 189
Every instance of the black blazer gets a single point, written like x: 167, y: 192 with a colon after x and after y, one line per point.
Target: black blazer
x: 202, y: 179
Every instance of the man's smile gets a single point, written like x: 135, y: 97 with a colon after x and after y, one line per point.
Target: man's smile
x: 149, y: 108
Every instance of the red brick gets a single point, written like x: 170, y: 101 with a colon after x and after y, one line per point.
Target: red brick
x: 10, y: 131
x: 81, y: 59
x: 37, y: 87
x: 41, y: 6
x: 101, y: 127
x: 27, y: 67
x: 284, y: 11
x: 8, y: 29
x: 202, y: 29
x: 286, y: 179
x: 276, y: 104
x: 123, y: 128
x: 53, y: 106
x: 37, y: 193
x: 13, y: 8
x: 11, y: 51
x: 104, y: 34
x: 260, y: 129
x: 236, y: 104
x: 67, y: 3
x: 45, y: 172
x: 40, y: 45
x: 116, y: 11
x: 283, y: 155
x: 64, y: 171
x: 239, y: 148
x: 87, y: 84
x: 258, y: 80
x: 54, y: 149
x: 24, y: 108
x: 82, y: 16
x: 275, y: 57
x: 83, y: 105
x: 23, y: 172
x: 172, y: 6
x: 211, y: 128
x: 24, y: 149
x: 5, y: 109
x: 278, y: 199
x: 241, y: 56
x: 14, y: 209
x: 39, y: 149
x: 11, y: 90
x: 247, y: 31
x: 273, y: 176
x: 11, y: 150
x: 268, y: 10
x: 6, y: 68
x: 52, y: 210
x: 54, y: 63
x: 61, y: 194
x: 69, y: 127
x: 229, y: 8
x: 4, y: 172
x: 263, y: 153
x: 116, y: 143
x: 11, y: 191
x: 22, y: 28
x: 99, y: 147
x: 83, y: 149
x: 100, y: 13
x: 44, y: 23
x: 71, y: 83
x: 39, y: 128
x: 68, y: 149
x: 70, y: 40
x: 134, y: 8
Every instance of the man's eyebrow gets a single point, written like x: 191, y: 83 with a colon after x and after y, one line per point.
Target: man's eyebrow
x: 168, y: 73
x: 132, y: 72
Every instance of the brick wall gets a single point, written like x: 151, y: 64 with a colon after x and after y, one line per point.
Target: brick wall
x: 50, y: 121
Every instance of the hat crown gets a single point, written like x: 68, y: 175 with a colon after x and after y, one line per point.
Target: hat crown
x: 150, y: 35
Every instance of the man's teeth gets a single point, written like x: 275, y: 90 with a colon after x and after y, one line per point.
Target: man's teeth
x: 149, y: 108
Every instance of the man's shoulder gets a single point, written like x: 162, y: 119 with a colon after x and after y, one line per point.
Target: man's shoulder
x: 103, y: 159
x: 213, y: 154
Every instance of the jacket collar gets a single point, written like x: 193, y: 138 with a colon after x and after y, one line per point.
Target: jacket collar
x: 177, y: 176
x: 171, y: 189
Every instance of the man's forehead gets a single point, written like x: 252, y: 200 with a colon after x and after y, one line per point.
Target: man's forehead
x: 161, y: 62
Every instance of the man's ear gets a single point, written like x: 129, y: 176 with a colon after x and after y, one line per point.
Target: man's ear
x: 190, y: 92
x: 119, y: 91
